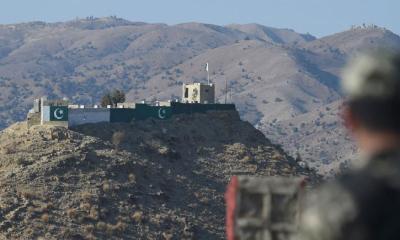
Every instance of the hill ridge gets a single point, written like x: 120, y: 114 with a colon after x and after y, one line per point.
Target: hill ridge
x: 146, y: 179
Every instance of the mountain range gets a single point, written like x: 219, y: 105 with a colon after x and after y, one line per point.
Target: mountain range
x: 285, y: 83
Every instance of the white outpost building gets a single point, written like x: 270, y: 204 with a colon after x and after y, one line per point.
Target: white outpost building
x: 198, y: 93
x: 196, y: 98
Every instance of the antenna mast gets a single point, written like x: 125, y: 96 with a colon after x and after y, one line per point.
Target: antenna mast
x: 226, y: 89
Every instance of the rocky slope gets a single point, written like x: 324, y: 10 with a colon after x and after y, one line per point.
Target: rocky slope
x: 317, y: 137
x: 278, y: 78
x: 144, y: 180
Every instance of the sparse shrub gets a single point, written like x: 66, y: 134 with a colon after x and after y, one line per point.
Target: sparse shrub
x: 286, y: 170
x: 137, y: 216
x: 112, y: 98
x: 163, y: 151
x: 31, y: 211
x: 156, y: 219
x: 167, y: 235
x: 120, y: 226
x: 45, y: 218
x: 277, y: 156
x: 93, y: 213
x: 118, y: 138
x: 28, y: 194
x: 9, y: 150
x: 132, y: 178
x: 85, y: 207
x: 106, y: 100
x: 55, y: 178
x: 106, y: 187
x: 88, y: 228
x: 86, y: 196
x: 46, y: 207
x: 101, y: 226
x: 246, y: 159
x: 22, y: 161
x: 117, y: 228
x: 72, y: 213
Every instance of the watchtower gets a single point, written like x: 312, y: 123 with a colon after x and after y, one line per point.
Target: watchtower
x: 198, y: 93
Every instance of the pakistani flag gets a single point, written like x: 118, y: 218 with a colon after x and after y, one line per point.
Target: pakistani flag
x: 58, y: 113
x: 164, y: 113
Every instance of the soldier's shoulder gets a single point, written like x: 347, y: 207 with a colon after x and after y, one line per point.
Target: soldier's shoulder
x: 326, y: 210
x: 339, y: 203
x: 382, y: 169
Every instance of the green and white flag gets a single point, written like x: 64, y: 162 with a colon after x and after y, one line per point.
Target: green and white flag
x: 58, y: 113
x: 164, y: 113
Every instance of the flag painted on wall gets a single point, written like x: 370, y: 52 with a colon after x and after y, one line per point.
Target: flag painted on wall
x: 58, y: 113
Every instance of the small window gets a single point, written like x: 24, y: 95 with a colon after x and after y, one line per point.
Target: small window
x: 206, y: 90
x: 186, y: 92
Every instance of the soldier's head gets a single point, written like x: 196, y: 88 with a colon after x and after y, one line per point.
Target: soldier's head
x: 371, y: 83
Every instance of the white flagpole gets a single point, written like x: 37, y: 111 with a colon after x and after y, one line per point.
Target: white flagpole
x: 208, y: 74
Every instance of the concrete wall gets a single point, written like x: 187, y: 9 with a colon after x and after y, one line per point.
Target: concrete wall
x: 64, y: 116
x: 207, y: 94
x: 126, y: 105
x: 45, y: 114
x: 88, y: 115
x: 33, y: 119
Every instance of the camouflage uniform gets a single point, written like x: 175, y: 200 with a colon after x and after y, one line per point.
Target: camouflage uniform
x: 364, y: 204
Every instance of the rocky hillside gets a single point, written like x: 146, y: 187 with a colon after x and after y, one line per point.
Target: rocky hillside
x: 280, y: 80
x: 144, y: 180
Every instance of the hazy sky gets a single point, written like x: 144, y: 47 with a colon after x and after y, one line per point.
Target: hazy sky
x: 319, y: 17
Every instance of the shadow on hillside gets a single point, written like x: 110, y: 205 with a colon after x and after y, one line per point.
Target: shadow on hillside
x: 172, y: 166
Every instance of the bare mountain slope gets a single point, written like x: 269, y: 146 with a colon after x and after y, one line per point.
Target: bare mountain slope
x: 68, y: 59
x: 275, y: 35
x: 317, y: 137
x: 266, y: 81
x: 275, y: 76
x: 356, y: 39
x: 146, y: 180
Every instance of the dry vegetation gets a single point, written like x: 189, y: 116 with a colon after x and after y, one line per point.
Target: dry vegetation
x: 165, y: 180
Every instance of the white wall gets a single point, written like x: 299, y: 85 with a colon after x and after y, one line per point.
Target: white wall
x: 87, y: 115
x: 45, y: 114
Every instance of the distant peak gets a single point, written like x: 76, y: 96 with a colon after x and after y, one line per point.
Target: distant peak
x: 101, y: 22
x: 100, y: 19
x: 367, y: 27
x: 204, y: 26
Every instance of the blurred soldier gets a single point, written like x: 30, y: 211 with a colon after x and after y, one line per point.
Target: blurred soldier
x: 365, y: 204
